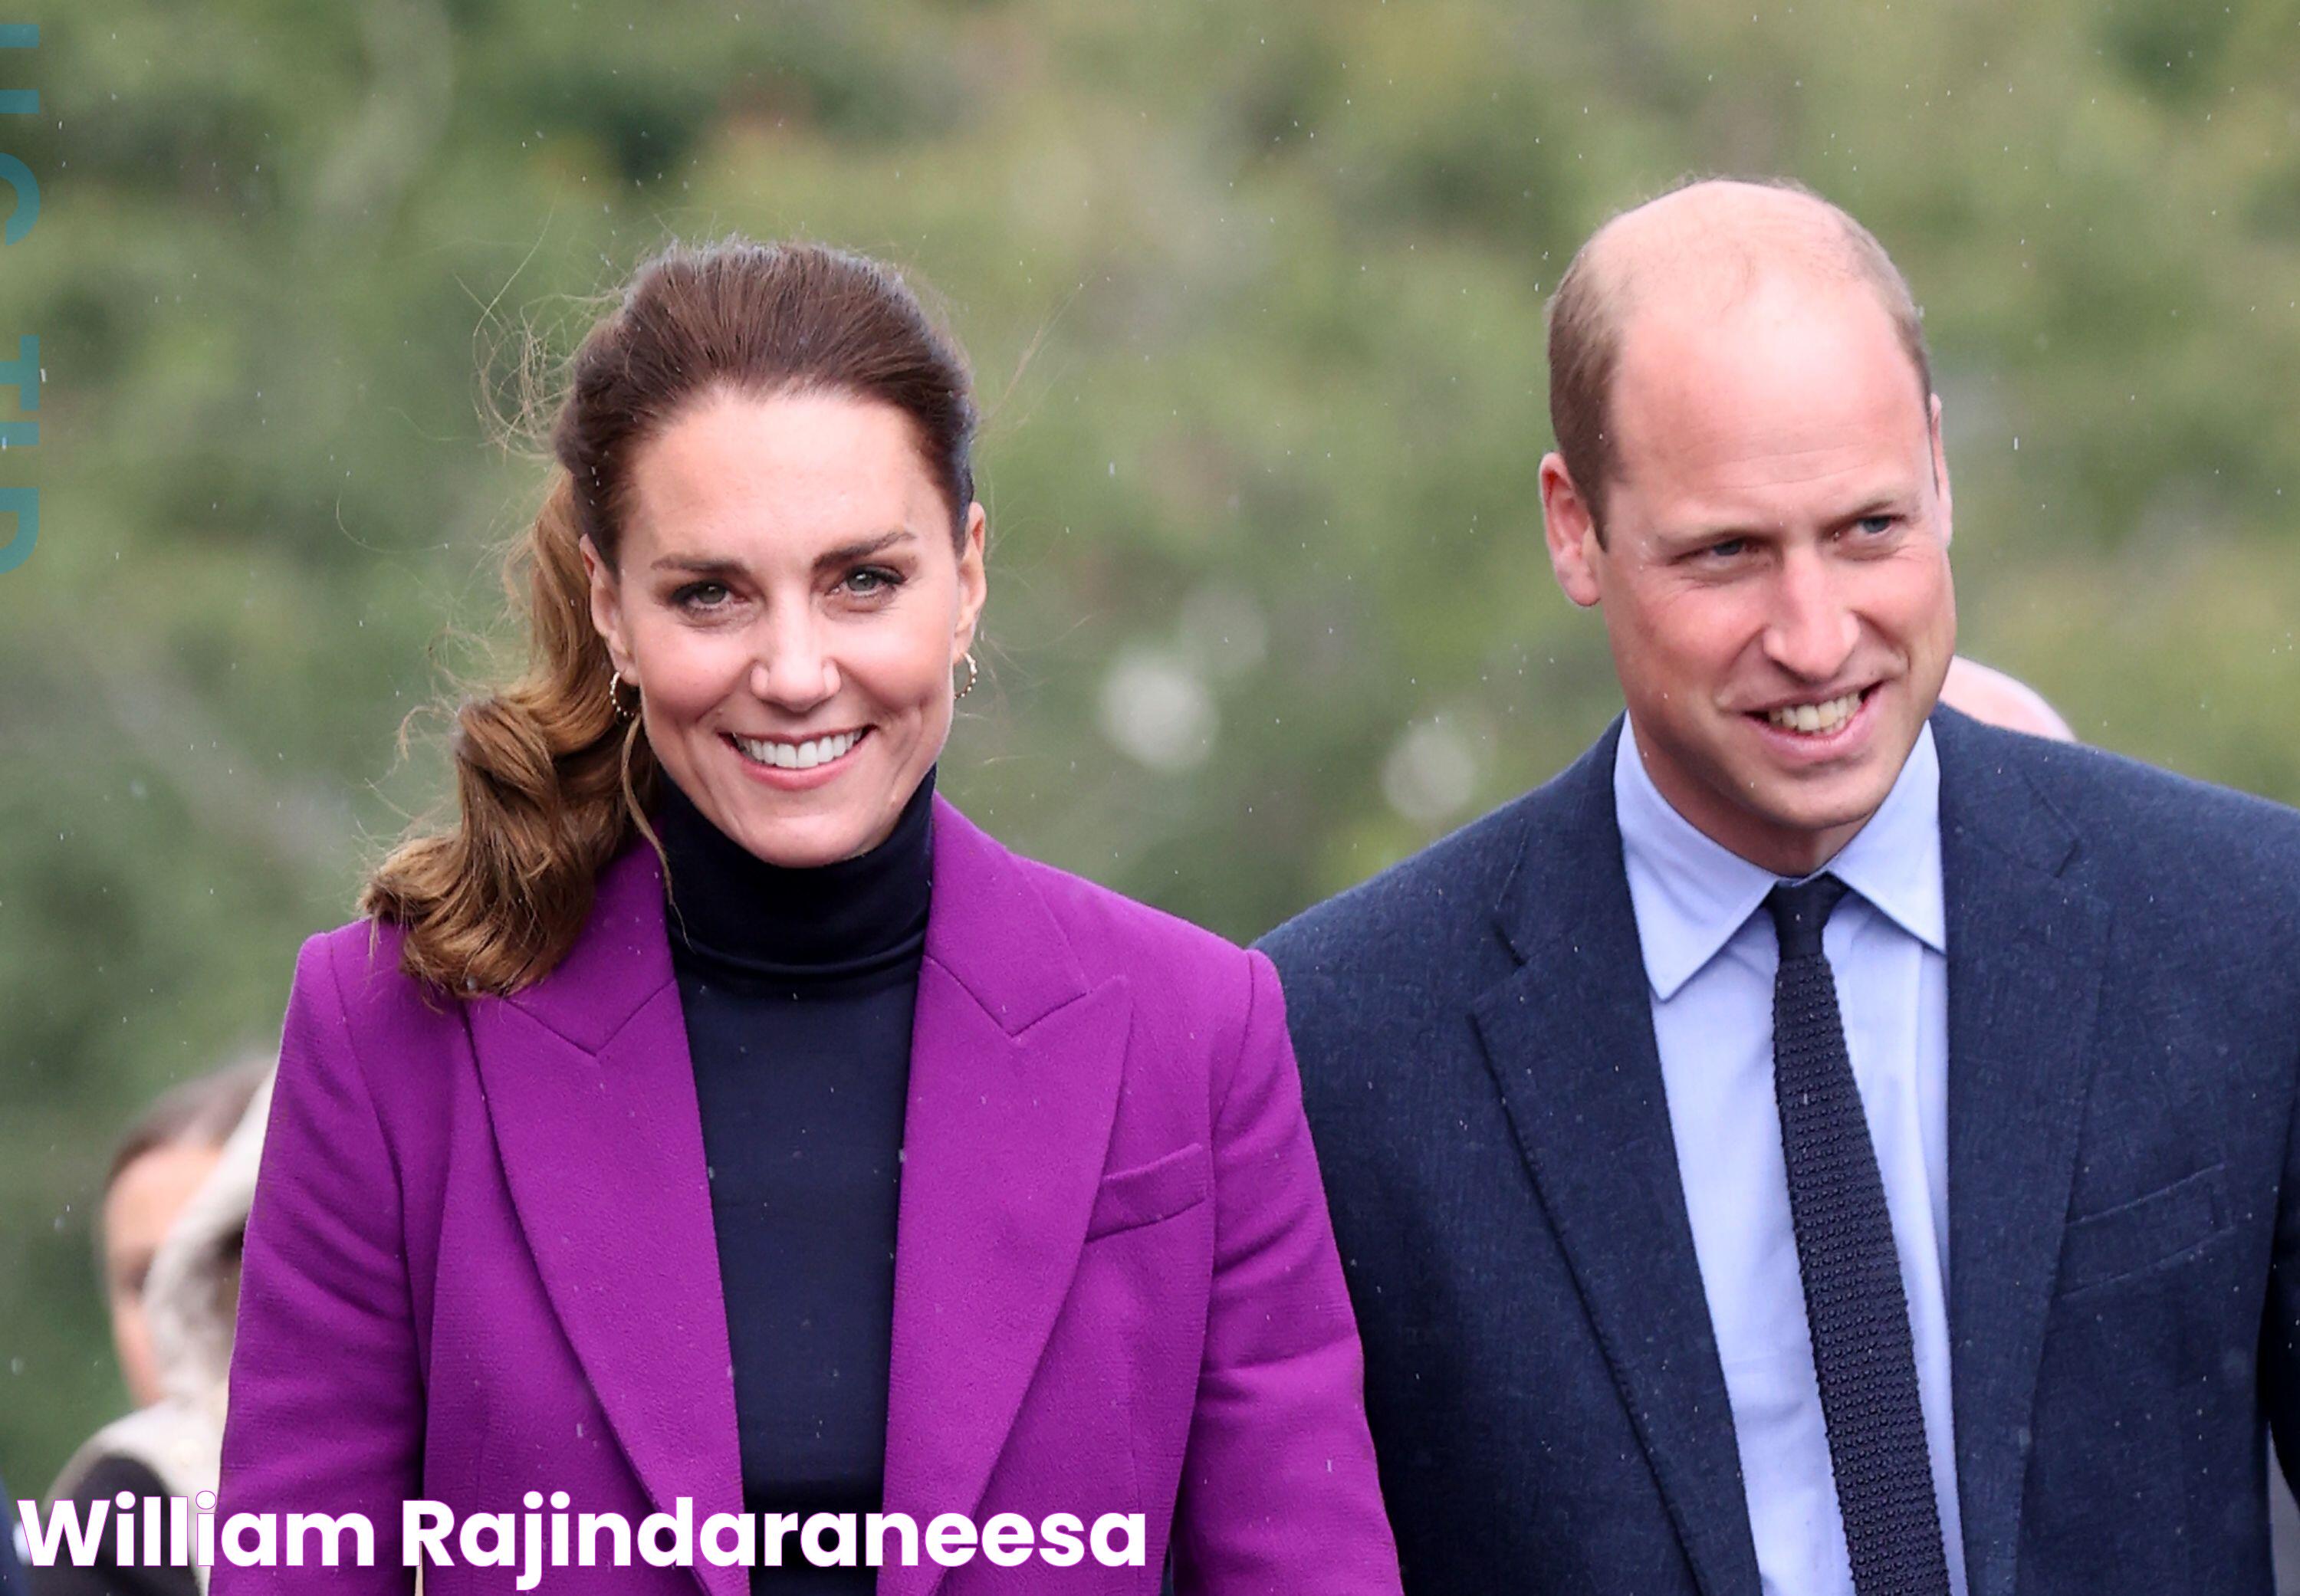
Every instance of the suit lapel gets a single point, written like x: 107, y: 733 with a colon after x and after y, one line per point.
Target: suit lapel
x: 2025, y: 949
x: 1014, y: 1075
x: 1568, y: 1036
x: 591, y: 1090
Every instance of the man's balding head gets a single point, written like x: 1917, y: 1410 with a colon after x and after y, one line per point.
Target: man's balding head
x: 1699, y: 248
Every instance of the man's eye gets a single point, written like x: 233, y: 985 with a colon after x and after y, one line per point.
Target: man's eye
x: 1729, y: 548
x: 1877, y: 525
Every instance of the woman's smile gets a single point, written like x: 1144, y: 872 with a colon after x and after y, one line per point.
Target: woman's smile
x: 796, y: 764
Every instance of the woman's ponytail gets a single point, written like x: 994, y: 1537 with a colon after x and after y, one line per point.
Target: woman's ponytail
x: 548, y: 779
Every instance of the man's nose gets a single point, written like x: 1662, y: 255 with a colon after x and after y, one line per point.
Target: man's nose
x: 794, y: 669
x: 1811, y: 631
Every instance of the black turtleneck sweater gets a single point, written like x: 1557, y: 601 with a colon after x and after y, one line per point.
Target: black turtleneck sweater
x: 797, y: 987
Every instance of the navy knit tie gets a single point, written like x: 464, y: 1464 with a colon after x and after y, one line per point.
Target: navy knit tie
x: 1853, y: 1298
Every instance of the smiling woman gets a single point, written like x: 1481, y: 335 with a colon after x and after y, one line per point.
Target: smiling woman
x: 762, y: 528
x: 783, y: 1145
x: 799, y: 593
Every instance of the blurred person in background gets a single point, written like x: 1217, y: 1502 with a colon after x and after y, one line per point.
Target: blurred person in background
x: 162, y: 1159
x: 181, y: 1293
x: 1988, y: 695
x: 713, y: 1111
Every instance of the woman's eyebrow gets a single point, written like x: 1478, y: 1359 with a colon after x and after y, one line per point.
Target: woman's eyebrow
x: 701, y: 565
x: 720, y: 565
x: 864, y: 548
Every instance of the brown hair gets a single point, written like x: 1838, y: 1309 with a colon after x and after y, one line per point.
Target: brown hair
x: 200, y: 1112
x: 1585, y: 338
x: 550, y: 783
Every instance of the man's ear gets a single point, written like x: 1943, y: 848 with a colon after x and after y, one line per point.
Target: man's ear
x: 1940, y: 475
x: 607, y: 609
x: 1571, y: 530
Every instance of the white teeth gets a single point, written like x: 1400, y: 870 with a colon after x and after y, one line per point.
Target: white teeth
x: 1816, y: 717
x: 799, y: 756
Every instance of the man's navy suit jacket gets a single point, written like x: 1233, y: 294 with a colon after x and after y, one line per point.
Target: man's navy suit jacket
x: 1476, y: 1049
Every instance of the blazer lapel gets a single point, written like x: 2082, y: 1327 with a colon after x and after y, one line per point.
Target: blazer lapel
x: 1015, y: 1064
x: 1570, y: 1040
x: 2025, y: 949
x: 591, y: 1090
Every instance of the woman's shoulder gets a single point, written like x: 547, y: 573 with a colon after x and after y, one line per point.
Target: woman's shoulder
x: 356, y: 1017
x: 355, y: 969
x: 1202, y: 1014
x: 1126, y: 929
x: 1165, y: 959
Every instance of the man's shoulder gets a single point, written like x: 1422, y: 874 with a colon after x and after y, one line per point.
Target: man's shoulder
x: 1455, y: 879
x: 2132, y: 820
x: 1429, y: 925
x: 1377, y: 964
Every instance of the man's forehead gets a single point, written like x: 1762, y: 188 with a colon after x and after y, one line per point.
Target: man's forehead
x: 1788, y: 385
x: 1778, y: 495
x: 1808, y: 345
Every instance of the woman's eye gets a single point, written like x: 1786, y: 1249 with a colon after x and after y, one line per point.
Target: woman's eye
x: 686, y: 598
x: 865, y: 580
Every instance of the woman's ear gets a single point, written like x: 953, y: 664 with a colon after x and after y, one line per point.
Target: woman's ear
x: 606, y: 607
x: 973, y: 581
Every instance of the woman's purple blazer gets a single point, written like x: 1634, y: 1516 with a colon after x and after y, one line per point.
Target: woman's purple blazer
x: 480, y: 1260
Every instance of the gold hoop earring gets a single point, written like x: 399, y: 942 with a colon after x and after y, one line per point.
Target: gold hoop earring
x: 615, y: 695
x: 973, y: 672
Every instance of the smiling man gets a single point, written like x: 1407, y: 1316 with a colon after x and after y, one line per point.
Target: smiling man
x: 1819, y: 1144
x: 1766, y: 523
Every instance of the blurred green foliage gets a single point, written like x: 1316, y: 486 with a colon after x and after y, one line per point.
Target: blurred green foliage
x: 1254, y: 294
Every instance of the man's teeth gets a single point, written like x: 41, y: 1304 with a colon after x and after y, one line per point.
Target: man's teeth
x: 799, y: 756
x: 1816, y: 717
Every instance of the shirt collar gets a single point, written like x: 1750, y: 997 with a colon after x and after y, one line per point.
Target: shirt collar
x: 1691, y: 893
x: 1895, y: 861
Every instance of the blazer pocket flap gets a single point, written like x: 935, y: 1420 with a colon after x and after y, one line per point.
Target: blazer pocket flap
x: 2149, y: 1230
x: 1148, y: 1193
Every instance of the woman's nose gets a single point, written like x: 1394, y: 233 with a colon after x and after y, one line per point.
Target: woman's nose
x: 794, y: 671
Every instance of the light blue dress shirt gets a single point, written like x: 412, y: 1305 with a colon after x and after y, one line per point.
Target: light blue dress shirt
x: 1710, y: 955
